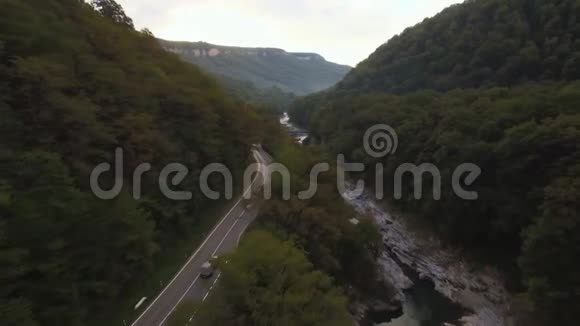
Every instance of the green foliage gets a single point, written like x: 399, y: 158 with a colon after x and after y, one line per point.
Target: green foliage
x: 182, y: 314
x: 521, y: 138
x: 113, y: 11
x: 270, y: 282
x: 477, y: 43
x: 75, y: 85
x: 272, y: 98
x: 489, y: 82
x: 56, y: 237
x: 298, y: 73
x: 321, y: 225
x: 16, y: 313
x: 554, y: 284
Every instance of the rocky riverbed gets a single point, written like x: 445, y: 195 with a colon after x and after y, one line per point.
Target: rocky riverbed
x: 479, y: 290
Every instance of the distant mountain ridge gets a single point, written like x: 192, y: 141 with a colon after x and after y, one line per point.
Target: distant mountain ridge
x: 296, y: 72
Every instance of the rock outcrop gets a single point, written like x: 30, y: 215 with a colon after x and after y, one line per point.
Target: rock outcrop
x: 479, y: 289
x: 300, y: 73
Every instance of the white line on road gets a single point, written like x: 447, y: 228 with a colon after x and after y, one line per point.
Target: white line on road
x: 227, y: 234
x: 211, y: 287
x: 199, y: 248
x: 217, y: 278
x: 197, y: 278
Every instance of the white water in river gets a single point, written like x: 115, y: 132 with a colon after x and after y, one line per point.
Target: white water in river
x: 299, y: 134
x: 433, y: 281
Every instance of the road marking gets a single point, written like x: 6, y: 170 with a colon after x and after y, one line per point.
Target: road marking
x: 225, y: 237
x: 197, y: 278
x: 199, y: 248
x: 217, y: 277
x: 214, y: 282
x: 210, y: 288
x: 242, y: 233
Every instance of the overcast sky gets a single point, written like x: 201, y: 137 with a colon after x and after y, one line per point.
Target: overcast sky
x: 343, y: 31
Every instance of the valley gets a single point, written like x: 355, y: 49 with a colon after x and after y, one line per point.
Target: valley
x: 265, y: 68
x: 434, y: 284
x: 149, y: 182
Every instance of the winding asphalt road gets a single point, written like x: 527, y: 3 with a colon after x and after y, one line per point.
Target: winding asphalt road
x: 186, y: 284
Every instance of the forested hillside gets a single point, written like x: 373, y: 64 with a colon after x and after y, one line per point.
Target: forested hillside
x: 489, y: 82
x: 273, y: 98
x: 76, y: 85
x: 298, y: 73
x: 478, y: 43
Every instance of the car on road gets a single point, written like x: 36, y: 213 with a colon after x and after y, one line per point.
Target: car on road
x: 207, y: 270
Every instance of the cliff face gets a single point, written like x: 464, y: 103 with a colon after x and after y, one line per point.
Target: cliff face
x: 299, y: 73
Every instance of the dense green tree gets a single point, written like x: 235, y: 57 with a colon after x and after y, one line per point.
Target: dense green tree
x: 269, y: 282
x: 76, y: 84
x: 551, y: 251
x: 477, y: 43
x: 273, y: 98
x: 321, y: 225
x: 183, y: 313
x: 112, y: 10
x: 489, y: 82
x: 521, y: 138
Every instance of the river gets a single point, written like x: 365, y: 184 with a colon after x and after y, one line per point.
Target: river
x: 436, y: 285
x: 298, y: 133
x: 422, y: 304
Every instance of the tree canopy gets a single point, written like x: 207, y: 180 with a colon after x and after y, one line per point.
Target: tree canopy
x: 113, y: 11
x: 488, y: 82
x: 76, y: 84
x: 477, y: 43
x: 269, y: 282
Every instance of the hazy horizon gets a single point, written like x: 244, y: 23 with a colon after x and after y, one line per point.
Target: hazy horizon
x: 344, y: 32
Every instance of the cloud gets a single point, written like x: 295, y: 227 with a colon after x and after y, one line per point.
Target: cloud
x: 344, y: 31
